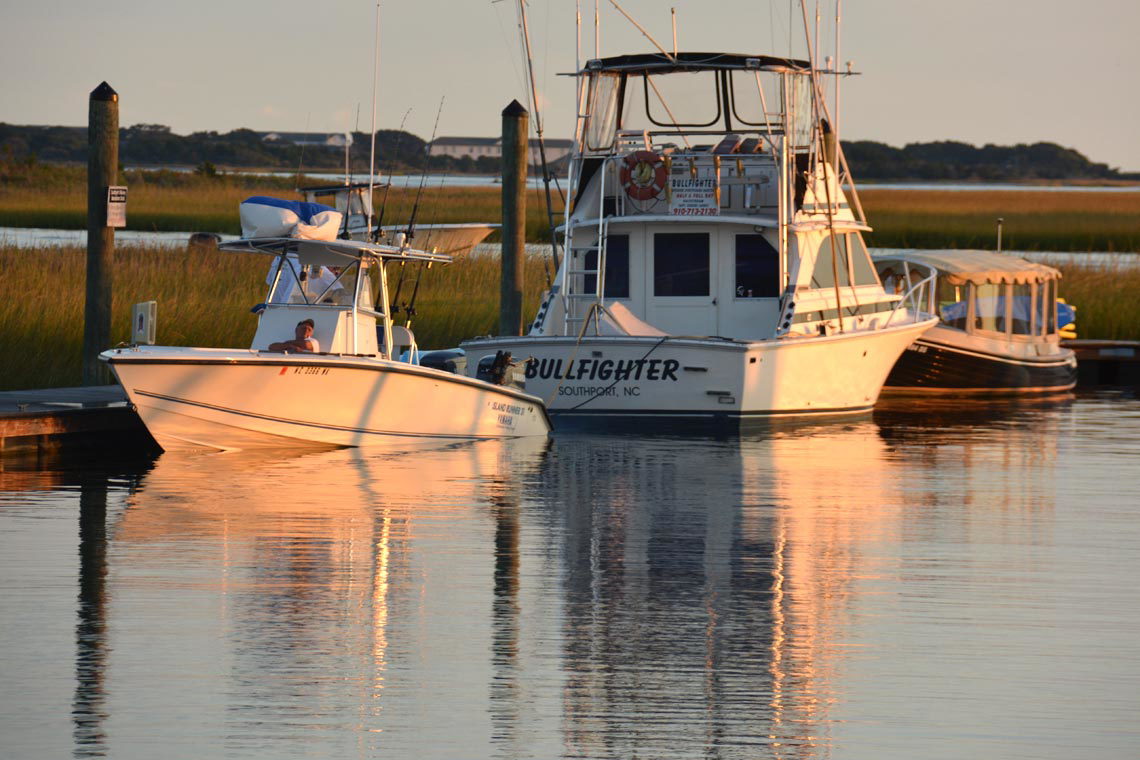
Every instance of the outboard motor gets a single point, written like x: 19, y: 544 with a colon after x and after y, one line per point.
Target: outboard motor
x: 494, y: 369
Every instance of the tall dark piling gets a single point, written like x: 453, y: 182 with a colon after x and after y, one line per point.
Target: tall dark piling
x: 102, y: 169
x: 515, y: 132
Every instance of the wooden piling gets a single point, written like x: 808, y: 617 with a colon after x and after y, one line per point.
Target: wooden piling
x: 515, y: 134
x: 102, y: 171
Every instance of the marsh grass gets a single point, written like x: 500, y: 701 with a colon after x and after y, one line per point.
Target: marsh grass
x: 56, y: 197
x: 204, y: 299
x: 1107, y: 300
x: 1033, y: 221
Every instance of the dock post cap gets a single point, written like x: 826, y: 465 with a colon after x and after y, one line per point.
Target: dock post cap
x: 515, y: 109
x: 104, y: 92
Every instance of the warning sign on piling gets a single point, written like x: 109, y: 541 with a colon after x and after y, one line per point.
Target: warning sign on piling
x: 116, y: 206
x: 693, y: 197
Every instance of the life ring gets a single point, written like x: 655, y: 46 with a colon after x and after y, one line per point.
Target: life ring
x: 643, y: 175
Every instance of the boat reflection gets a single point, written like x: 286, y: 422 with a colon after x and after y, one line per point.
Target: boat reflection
x: 715, y: 594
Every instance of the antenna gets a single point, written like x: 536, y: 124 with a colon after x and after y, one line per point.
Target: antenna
x: 835, y: 119
x: 597, y: 33
x: 673, y: 13
x: 372, y: 150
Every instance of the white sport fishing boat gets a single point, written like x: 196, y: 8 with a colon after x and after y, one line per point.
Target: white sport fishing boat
x: 715, y: 267
x: 361, y: 388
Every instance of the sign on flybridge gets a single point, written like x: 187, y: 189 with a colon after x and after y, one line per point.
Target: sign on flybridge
x: 693, y: 197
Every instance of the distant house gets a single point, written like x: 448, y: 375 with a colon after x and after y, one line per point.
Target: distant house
x: 478, y: 147
x: 317, y: 139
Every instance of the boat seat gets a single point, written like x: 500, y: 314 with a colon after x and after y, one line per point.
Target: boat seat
x: 730, y: 144
x: 750, y: 145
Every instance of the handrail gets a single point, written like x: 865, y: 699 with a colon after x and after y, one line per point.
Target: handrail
x: 923, y: 290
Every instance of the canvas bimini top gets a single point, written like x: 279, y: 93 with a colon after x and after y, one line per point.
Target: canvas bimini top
x: 960, y: 267
x: 660, y: 63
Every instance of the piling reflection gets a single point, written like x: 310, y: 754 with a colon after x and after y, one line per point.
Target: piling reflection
x: 88, y: 709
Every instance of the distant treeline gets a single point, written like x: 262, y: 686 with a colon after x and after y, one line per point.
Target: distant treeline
x: 156, y: 145
x: 957, y: 161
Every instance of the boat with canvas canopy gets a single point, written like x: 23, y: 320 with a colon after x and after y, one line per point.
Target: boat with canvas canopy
x: 361, y: 387
x: 350, y: 199
x: 999, y: 325
x: 714, y: 264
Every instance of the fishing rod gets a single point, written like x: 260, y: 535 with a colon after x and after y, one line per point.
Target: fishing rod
x: 423, y: 176
x: 388, y: 186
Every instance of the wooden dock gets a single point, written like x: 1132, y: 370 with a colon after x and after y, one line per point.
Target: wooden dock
x: 1106, y: 362
x: 35, y: 421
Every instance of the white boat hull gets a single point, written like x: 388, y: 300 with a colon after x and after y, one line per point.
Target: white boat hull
x: 192, y: 398
x: 709, y: 378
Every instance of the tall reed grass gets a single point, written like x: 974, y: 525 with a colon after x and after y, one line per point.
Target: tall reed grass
x: 1107, y: 300
x: 204, y: 299
x: 1033, y: 220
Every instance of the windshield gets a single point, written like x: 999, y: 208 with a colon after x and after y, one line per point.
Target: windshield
x: 310, y: 284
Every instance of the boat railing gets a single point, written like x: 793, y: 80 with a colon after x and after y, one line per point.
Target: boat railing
x: 917, y: 299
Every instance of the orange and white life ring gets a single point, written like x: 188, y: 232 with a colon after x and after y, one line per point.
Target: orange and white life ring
x: 643, y: 175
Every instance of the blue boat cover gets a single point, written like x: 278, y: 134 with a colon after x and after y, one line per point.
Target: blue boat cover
x: 305, y: 210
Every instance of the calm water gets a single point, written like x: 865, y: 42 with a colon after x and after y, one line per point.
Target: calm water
x: 929, y: 582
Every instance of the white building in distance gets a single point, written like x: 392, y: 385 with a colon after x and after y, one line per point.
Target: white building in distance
x: 492, y: 147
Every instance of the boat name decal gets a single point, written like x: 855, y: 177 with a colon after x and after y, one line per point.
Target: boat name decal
x: 603, y: 369
x: 499, y: 406
x: 308, y: 370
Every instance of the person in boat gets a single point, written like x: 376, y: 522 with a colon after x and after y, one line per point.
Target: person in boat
x: 304, y: 342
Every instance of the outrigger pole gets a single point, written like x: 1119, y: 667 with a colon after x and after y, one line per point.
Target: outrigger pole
x: 541, y: 143
x: 372, y: 149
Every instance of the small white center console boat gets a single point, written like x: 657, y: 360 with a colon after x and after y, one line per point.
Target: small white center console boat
x: 362, y: 386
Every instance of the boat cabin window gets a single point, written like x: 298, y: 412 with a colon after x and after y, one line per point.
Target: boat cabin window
x: 311, y: 284
x: 823, y: 275
x: 861, y: 266
x: 617, y: 268
x: 1049, y: 296
x: 602, y: 106
x: 952, y: 306
x: 989, y: 307
x: 756, y: 98
x: 757, y: 267
x: 681, y: 264
x: 688, y: 99
x: 1022, y: 321
x: 852, y: 262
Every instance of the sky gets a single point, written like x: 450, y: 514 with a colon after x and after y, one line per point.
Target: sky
x: 979, y: 71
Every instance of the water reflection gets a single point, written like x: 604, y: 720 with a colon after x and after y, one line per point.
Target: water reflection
x: 88, y: 708
x: 891, y: 586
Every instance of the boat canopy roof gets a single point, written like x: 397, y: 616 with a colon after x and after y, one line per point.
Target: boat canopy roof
x: 660, y: 63
x: 978, y: 267
x: 336, y: 253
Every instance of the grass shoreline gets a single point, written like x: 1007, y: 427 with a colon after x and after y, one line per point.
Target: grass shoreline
x: 165, y: 201
x: 204, y: 299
